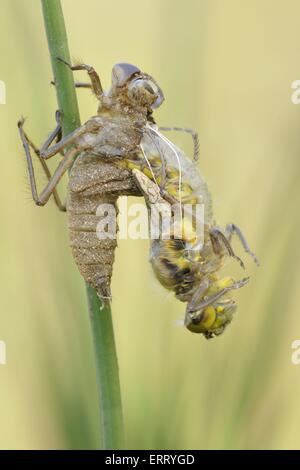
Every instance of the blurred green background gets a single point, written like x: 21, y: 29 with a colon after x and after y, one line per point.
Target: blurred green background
x: 226, y: 68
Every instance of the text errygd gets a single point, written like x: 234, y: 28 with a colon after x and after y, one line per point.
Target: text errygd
x: 152, y: 459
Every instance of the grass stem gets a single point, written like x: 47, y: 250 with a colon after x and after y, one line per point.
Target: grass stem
x: 112, y: 436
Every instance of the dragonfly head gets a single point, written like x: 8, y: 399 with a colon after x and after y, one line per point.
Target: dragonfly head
x: 211, y: 309
x: 211, y: 320
x: 140, y: 89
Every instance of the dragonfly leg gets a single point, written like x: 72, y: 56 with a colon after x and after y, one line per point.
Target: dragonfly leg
x: 197, y: 296
x: 201, y: 302
x: 90, y: 126
x: 230, y: 229
x: 193, y: 133
x: 94, y: 77
x: 42, y: 198
x: 219, y: 241
x: 56, y: 134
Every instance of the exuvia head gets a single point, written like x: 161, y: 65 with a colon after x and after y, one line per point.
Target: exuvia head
x: 136, y: 88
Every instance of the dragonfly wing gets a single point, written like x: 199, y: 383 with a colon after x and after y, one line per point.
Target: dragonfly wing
x: 185, y: 173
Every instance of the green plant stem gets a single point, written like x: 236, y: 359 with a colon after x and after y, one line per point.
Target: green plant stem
x: 101, y: 320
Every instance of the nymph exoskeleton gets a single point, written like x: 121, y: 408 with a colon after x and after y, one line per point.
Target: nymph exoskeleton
x: 111, y: 136
x: 109, y: 146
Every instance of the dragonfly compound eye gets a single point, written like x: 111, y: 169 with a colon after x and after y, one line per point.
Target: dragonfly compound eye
x: 212, y: 320
x: 201, y: 322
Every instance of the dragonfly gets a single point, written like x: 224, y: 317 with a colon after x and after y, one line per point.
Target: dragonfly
x: 122, y: 151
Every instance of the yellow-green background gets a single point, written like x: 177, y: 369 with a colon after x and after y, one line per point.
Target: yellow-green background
x: 226, y: 67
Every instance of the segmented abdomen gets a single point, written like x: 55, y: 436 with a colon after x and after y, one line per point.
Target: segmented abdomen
x: 94, y: 182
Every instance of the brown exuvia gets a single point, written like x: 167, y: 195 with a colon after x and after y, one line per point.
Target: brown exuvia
x: 113, y: 134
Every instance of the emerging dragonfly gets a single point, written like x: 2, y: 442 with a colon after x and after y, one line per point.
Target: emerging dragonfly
x: 122, y: 151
